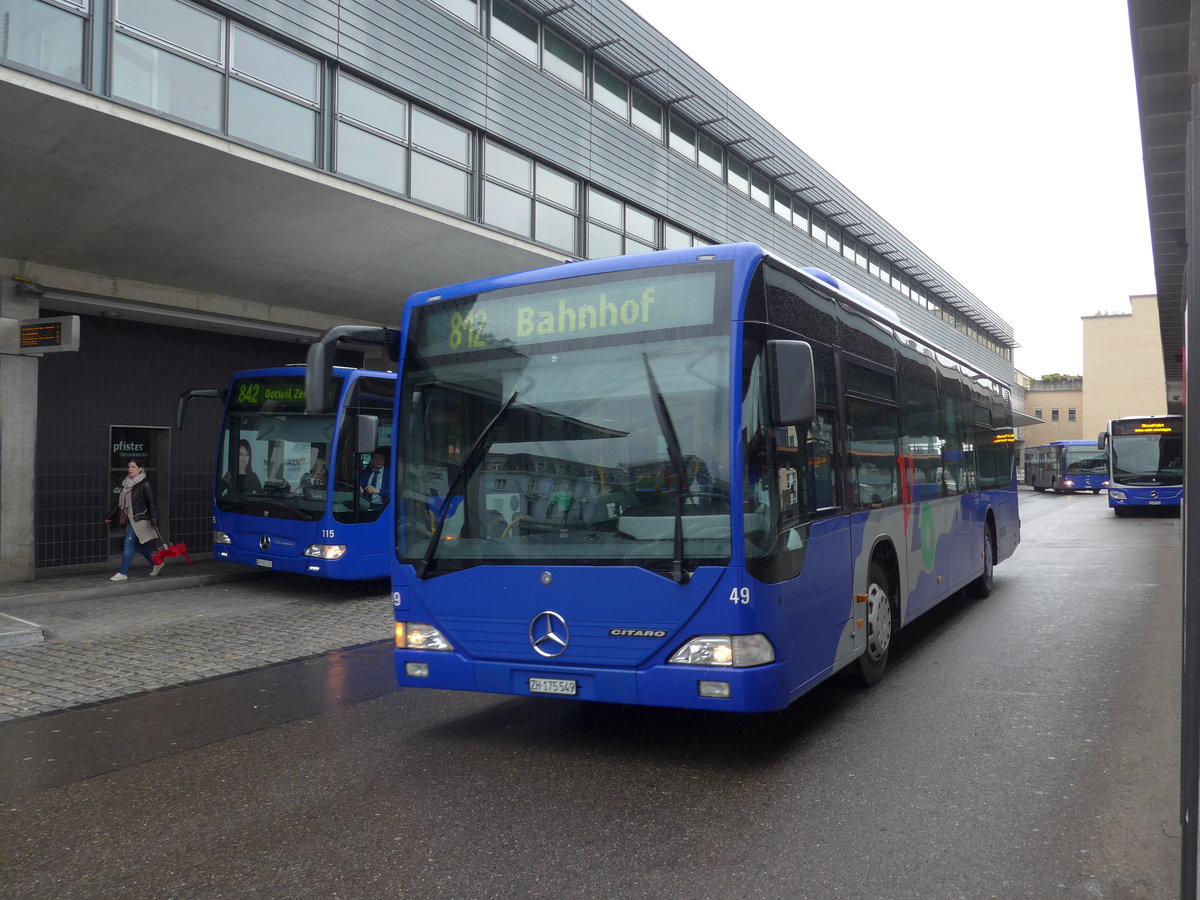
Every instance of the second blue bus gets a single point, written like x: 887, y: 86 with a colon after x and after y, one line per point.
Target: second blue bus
x: 1066, y: 467
x: 291, y: 488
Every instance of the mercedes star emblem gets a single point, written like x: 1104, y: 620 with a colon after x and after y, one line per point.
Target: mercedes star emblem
x: 548, y: 633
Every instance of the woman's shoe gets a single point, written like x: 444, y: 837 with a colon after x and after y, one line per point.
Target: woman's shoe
x: 158, y: 568
x: 119, y: 577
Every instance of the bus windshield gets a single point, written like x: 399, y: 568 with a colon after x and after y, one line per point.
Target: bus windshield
x: 538, y: 449
x: 1085, y: 460
x: 274, y: 458
x: 1147, y: 458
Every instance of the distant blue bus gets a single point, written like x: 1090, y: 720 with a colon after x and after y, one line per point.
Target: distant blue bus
x: 1145, y: 462
x: 696, y: 478
x: 1066, y: 466
x: 288, y: 488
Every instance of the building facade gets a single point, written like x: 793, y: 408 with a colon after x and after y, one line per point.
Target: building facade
x: 1123, y: 365
x: 1058, y: 402
x: 210, y: 185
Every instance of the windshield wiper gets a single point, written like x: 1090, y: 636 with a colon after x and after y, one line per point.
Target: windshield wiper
x: 678, y: 574
x: 470, y: 463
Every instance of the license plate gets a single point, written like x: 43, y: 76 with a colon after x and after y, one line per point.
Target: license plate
x: 1156, y: 503
x: 553, y: 686
x: 265, y: 563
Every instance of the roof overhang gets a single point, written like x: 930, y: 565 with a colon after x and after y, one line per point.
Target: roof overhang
x: 91, y: 186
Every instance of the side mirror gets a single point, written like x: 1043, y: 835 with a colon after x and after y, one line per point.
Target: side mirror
x: 792, y: 382
x: 368, y: 434
x: 317, y: 380
x: 1102, y: 440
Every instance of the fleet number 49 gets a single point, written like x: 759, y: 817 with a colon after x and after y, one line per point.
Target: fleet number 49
x: 740, y: 596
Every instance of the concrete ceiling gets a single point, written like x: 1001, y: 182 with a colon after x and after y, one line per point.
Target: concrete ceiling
x: 90, y: 186
x: 1160, y: 34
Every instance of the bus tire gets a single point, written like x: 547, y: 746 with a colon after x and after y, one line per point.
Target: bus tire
x: 881, y: 625
x: 982, y: 586
x: 1120, y: 511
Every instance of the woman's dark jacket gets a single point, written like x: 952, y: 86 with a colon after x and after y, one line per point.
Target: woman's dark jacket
x: 141, y: 498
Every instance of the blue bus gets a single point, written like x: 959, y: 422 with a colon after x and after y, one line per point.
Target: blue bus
x: 291, y: 490
x: 1145, y: 462
x: 691, y: 478
x: 1066, y: 467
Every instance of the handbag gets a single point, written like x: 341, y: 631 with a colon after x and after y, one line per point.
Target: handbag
x: 121, y: 518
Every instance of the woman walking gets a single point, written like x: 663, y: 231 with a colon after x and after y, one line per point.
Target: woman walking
x: 136, y: 510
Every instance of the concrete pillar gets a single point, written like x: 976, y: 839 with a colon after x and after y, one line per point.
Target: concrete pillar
x: 18, y: 442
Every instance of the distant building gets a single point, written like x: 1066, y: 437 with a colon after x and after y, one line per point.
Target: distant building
x: 1058, y: 402
x: 1123, y: 365
x: 1123, y: 375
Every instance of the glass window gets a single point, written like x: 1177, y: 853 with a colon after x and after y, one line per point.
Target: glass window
x: 504, y: 165
x: 1071, y: 414
x: 269, y: 120
x: 180, y: 24
x: 507, y: 209
x: 760, y: 188
x: 1054, y: 415
x: 683, y: 138
x: 738, y: 175
x: 800, y: 215
x: 562, y: 60
x: 874, y: 439
x: 833, y: 238
x: 515, y: 30
x: 276, y: 65
x: 468, y: 10
x: 438, y: 135
x: 711, y: 159
x: 602, y: 242
x: 555, y: 227
x: 556, y: 188
x: 675, y: 238
x: 602, y: 208
x: 369, y: 157
x: 640, y: 225
x: 165, y: 82
x: 439, y: 183
x: 372, y: 107
x: 1037, y: 412
x: 782, y: 204
x: 610, y: 91
x: 42, y: 37
x: 818, y: 227
x: 647, y: 115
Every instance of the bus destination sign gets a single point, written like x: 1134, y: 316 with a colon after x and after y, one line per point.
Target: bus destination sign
x: 571, y: 310
x: 1143, y: 426
x: 272, y: 394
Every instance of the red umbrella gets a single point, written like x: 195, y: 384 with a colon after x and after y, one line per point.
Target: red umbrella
x: 158, y: 556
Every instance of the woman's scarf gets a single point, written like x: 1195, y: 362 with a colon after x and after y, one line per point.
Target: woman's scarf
x: 127, y: 486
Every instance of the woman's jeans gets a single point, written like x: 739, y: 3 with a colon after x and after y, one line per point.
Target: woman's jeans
x: 132, y: 544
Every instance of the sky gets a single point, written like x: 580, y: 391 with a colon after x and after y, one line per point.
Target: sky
x: 1002, y: 139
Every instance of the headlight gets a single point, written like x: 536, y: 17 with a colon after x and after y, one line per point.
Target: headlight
x: 1067, y: 482
x: 326, y: 551
x: 418, y: 636
x: 1116, y: 495
x: 737, y: 650
x: 220, y: 537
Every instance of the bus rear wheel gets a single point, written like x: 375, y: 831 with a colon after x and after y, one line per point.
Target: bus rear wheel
x: 880, y: 625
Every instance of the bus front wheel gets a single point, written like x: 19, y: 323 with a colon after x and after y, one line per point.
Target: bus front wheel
x: 880, y: 625
x: 982, y: 586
